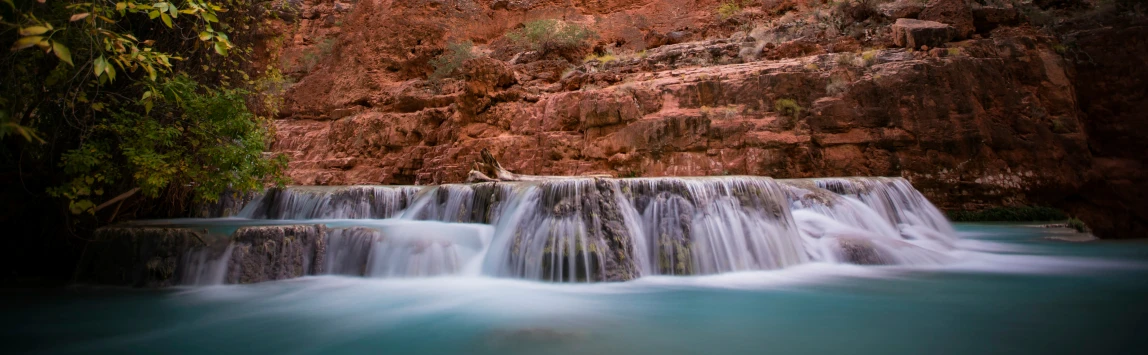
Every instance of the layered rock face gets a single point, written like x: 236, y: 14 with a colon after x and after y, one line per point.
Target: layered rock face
x: 992, y: 120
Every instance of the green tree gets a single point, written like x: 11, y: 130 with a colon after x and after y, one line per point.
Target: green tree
x: 101, y: 98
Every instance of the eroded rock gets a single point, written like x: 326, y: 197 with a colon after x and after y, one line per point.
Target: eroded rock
x: 952, y: 12
x: 913, y: 34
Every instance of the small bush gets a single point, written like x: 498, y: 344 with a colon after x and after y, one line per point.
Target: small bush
x: 954, y: 51
x: 552, y: 37
x: 1010, y: 214
x: 604, y: 58
x: 1077, y: 224
x: 869, y: 58
x: 728, y: 9
x: 447, y: 63
x: 787, y: 107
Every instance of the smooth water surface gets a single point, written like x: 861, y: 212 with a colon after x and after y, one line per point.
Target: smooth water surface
x: 1011, y: 291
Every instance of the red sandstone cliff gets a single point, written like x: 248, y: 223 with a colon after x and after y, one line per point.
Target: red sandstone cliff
x: 1012, y: 115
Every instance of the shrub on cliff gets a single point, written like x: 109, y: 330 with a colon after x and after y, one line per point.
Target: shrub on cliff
x: 553, y: 37
x: 447, y: 64
x: 787, y: 107
x: 728, y: 9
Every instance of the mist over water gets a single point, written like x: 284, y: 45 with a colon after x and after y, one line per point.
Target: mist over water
x: 1012, y: 292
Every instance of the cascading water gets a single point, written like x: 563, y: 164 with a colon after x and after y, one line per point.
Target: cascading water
x: 585, y: 229
x: 396, y: 248
x: 714, y: 225
x: 318, y: 202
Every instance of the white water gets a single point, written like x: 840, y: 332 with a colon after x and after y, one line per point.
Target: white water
x: 613, y: 229
x: 202, y: 267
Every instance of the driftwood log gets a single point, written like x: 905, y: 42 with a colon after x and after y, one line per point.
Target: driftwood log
x: 487, y: 169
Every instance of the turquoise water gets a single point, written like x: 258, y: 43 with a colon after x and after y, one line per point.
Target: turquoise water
x: 1012, y: 292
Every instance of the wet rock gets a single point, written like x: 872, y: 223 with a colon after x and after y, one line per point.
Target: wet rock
x: 142, y: 256
x: 911, y: 33
x: 603, y: 253
x: 269, y: 253
x: 952, y: 12
x: 859, y: 251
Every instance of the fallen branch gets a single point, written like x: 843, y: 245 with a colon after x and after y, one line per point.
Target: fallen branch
x: 117, y: 199
x: 487, y: 169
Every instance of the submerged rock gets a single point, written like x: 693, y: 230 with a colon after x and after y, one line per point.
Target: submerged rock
x: 859, y: 251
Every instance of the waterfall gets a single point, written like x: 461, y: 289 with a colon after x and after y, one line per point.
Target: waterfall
x: 565, y: 230
x: 464, y: 203
x: 714, y: 225
x: 868, y: 221
x: 396, y: 248
x: 321, y: 202
x: 205, y: 266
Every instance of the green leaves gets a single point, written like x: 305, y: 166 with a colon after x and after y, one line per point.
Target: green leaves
x: 26, y: 42
x: 62, y: 52
x: 33, y: 30
x: 152, y: 128
x: 99, y: 65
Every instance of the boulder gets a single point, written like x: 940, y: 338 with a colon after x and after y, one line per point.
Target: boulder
x: 953, y: 12
x: 901, y: 9
x: 987, y: 18
x: 910, y: 33
x: 860, y: 251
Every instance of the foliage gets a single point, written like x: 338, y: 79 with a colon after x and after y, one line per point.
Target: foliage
x: 552, y: 37
x: 728, y: 9
x: 104, y: 99
x: 787, y: 107
x: 197, y: 143
x: 868, y: 58
x: 1009, y: 214
x: 1077, y: 224
x: 447, y: 63
x: 600, y: 58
